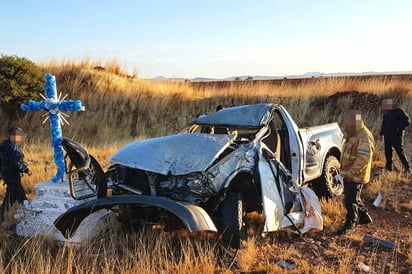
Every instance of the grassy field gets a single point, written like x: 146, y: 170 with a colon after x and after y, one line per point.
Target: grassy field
x: 120, y: 108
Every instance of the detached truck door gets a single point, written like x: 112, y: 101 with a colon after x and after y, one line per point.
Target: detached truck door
x: 272, y: 202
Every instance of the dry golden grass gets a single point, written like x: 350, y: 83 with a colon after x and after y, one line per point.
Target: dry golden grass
x: 120, y: 108
x: 246, y: 258
x: 333, y: 212
x: 394, y: 187
x: 410, y: 250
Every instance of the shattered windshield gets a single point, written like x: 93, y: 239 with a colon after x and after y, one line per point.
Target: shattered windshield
x: 249, y: 116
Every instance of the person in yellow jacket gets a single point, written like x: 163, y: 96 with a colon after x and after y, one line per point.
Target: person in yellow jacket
x: 356, y: 164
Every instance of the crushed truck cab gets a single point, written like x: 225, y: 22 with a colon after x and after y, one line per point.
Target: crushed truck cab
x: 205, y: 178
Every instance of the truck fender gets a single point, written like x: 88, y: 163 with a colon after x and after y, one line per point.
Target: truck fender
x: 193, y: 217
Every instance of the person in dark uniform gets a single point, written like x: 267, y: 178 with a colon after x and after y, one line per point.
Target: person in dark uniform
x: 395, y: 120
x: 12, y: 166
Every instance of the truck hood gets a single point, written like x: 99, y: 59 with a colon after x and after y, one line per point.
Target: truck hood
x: 176, y: 154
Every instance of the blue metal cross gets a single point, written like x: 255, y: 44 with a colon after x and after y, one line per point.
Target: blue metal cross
x: 54, y: 106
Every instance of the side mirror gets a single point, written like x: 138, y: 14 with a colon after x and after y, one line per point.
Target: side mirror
x: 86, y: 177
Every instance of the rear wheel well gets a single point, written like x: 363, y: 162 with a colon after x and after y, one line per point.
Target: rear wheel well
x: 334, y: 151
x: 326, y: 186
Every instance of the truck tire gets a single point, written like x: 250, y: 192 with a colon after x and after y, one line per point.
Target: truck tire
x: 331, y: 168
x: 231, y: 225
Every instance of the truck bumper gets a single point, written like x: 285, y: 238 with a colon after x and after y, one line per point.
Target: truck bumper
x: 193, y: 217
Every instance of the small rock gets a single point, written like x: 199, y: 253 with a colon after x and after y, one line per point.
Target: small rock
x: 310, y: 240
x: 364, y: 267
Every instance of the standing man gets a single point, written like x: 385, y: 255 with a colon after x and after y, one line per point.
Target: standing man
x: 356, y: 163
x: 12, y: 166
x: 395, y: 120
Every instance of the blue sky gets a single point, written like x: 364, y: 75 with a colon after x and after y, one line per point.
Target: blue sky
x: 214, y: 38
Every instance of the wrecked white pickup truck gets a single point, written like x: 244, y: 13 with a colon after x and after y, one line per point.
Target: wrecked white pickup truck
x: 225, y: 164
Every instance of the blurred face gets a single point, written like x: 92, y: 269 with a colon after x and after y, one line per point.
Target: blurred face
x: 387, y: 104
x: 17, y: 139
x: 352, y: 123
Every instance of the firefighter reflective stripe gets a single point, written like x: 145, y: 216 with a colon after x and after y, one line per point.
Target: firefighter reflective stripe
x: 364, y: 147
x: 357, y: 180
x: 364, y: 152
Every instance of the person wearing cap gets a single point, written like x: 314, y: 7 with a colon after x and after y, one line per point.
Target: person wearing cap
x: 394, y: 122
x: 356, y: 164
x: 12, y: 166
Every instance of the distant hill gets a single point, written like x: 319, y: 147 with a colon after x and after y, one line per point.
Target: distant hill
x: 268, y: 77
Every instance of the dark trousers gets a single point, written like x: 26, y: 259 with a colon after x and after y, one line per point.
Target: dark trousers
x: 14, y: 193
x: 355, y: 208
x: 394, y: 141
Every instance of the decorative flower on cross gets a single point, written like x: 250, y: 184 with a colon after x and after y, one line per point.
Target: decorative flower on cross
x: 55, y: 106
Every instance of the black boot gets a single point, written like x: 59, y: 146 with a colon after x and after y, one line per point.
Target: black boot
x: 364, y: 219
x: 346, y: 228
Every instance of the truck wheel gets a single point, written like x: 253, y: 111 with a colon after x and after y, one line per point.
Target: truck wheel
x: 231, y: 225
x: 330, y: 169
